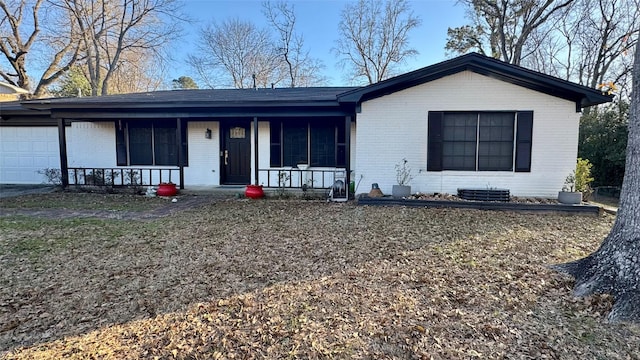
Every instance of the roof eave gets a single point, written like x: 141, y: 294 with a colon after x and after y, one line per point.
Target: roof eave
x: 182, y: 105
x: 581, y: 95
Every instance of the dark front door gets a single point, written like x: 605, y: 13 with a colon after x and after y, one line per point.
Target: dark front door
x: 236, y: 153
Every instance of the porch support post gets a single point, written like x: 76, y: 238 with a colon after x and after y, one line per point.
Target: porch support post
x: 62, y: 144
x: 179, y: 142
x: 347, y: 152
x: 255, y: 155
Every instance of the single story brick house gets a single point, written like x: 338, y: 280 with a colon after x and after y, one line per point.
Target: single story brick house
x: 468, y: 122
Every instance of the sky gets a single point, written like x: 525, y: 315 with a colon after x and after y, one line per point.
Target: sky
x: 317, y: 21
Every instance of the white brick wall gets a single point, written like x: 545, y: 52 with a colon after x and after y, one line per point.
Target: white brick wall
x: 91, y: 144
x: 204, y: 154
x: 26, y: 150
x: 394, y: 127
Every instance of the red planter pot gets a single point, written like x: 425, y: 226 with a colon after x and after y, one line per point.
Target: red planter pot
x: 167, y: 190
x: 254, y: 192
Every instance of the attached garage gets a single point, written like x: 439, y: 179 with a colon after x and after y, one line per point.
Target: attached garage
x: 28, y: 144
x: 25, y: 151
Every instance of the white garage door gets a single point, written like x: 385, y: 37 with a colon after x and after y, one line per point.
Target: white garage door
x: 26, y: 150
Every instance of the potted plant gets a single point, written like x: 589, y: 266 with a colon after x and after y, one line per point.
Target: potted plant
x: 569, y: 195
x: 577, y: 184
x: 254, y: 192
x: 403, y: 177
x: 166, y: 189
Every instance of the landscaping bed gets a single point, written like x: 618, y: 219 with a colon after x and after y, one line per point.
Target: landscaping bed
x: 452, y: 201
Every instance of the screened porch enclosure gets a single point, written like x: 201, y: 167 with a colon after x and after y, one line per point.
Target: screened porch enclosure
x: 305, y: 152
x: 319, y: 142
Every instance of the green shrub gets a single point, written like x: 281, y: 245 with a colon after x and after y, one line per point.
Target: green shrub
x: 53, y: 176
x: 580, y: 179
x: 583, y: 176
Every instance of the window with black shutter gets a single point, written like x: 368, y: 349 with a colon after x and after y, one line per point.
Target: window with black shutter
x: 479, y: 141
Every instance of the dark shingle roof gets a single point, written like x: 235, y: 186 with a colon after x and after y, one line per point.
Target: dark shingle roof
x: 200, y: 97
x: 12, y: 113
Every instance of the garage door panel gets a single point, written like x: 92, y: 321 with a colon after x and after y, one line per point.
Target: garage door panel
x: 40, y: 147
x: 25, y: 146
x: 8, y: 145
x: 25, y: 151
x: 26, y: 161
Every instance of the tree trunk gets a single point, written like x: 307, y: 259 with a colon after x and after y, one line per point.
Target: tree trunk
x: 615, y: 267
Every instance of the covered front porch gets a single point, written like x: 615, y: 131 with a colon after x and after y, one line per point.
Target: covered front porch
x: 277, y: 138
x: 283, y: 153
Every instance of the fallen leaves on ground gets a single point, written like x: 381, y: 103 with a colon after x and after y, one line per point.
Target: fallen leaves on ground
x: 303, y: 279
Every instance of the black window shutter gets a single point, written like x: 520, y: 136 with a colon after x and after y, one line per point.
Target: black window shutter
x: 434, y: 144
x: 121, y: 145
x: 524, y: 134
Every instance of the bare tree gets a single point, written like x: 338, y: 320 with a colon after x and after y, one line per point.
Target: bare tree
x: 590, y: 44
x: 301, y: 68
x: 374, y: 38
x: 586, y: 41
x: 137, y: 72
x: 505, y: 26
x: 615, y: 267
x: 608, y: 34
x: 109, y: 29
x: 22, y: 30
x: 238, y: 54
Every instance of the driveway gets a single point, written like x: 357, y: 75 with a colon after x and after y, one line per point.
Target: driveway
x: 11, y: 190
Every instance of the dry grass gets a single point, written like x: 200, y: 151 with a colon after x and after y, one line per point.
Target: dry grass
x: 302, y: 279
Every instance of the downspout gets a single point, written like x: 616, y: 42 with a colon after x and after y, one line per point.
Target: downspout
x: 62, y: 144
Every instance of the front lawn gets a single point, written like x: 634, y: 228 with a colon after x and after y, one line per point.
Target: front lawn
x: 84, y: 201
x: 300, y: 279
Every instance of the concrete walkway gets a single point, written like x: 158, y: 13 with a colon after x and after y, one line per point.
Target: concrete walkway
x: 609, y: 209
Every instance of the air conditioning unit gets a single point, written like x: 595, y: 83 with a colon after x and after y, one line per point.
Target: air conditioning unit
x: 339, y: 191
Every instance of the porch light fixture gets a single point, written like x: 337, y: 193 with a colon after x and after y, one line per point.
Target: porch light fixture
x: 207, y: 134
